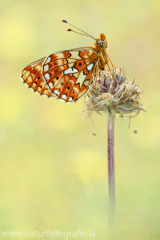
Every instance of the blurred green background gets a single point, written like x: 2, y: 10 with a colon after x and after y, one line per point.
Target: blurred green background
x: 53, y: 171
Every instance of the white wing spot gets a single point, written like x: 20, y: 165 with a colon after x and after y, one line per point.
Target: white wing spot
x: 56, y: 92
x: 89, y: 67
x: 48, y: 60
x: 47, y: 76
x: 70, y: 70
x: 51, y: 85
x: 70, y: 99
x: 64, y: 96
x: 46, y: 67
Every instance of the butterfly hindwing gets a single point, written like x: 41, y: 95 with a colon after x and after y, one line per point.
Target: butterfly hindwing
x: 32, y: 76
x: 64, y: 75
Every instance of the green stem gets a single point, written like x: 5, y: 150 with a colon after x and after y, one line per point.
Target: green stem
x: 111, y: 174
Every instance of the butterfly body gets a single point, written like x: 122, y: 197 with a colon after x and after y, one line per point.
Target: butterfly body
x: 66, y: 75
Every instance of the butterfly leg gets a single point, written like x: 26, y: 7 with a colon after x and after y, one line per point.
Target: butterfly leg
x: 111, y: 72
x: 107, y: 59
x: 98, y: 66
x: 111, y: 62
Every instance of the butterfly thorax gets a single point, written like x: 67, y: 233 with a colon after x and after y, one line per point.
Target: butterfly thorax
x: 101, y: 45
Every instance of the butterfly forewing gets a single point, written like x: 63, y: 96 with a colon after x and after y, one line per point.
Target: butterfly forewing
x: 64, y: 75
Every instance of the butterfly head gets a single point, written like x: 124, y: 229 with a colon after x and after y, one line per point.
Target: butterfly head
x: 101, y: 42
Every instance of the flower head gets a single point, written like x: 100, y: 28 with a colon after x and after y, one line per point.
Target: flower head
x: 113, y: 93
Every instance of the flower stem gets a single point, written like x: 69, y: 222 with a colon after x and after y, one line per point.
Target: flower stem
x: 111, y: 175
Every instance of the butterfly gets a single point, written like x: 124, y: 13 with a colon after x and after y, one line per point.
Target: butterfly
x: 67, y: 75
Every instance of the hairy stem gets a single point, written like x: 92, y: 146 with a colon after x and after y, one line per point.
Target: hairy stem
x: 111, y: 175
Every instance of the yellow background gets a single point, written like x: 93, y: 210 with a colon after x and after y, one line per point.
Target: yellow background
x: 53, y: 171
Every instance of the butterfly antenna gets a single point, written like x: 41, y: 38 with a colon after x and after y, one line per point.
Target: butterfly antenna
x: 70, y: 30
x: 86, y: 34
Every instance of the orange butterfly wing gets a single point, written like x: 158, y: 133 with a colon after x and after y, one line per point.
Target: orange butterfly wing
x: 64, y: 75
x: 32, y: 76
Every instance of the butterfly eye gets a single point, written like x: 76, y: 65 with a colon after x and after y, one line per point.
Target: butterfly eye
x: 101, y: 43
